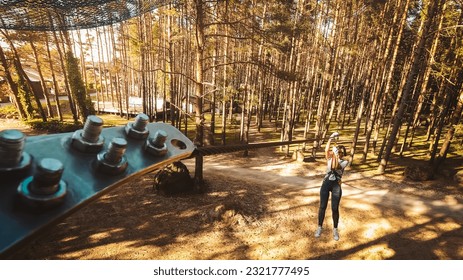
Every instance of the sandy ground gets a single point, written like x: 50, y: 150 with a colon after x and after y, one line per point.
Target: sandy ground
x: 262, y: 207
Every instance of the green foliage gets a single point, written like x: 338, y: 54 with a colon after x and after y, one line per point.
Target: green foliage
x: 459, y: 136
x: 8, y: 110
x: 78, y: 92
x: 25, y: 98
x: 54, y: 126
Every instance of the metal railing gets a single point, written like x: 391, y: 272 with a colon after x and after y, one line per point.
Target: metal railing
x: 214, y: 150
x: 200, y: 152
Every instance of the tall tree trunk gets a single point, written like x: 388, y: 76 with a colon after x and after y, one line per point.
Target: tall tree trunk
x: 125, y: 70
x: 103, y: 86
x: 416, y: 62
x: 225, y: 74
x: 24, y: 76
x: 42, y: 79
x: 454, y: 90
x: 398, y: 21
x: 426, y: 77
x: 95, y: 80
x: 388, y: 82
x: 65, y: 75
x: 199, y: 87
x: 12, y: 84
x: 55, y: 82
x: 110, y: 58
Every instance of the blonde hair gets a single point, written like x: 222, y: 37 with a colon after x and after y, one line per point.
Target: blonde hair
x: 334, y: 162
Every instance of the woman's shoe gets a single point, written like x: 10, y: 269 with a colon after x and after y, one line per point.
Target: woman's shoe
x: 335, y: 234
x: 318, y: 232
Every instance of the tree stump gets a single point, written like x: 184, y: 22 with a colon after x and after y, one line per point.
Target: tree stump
x: 298, y: 155
x: 417, y: 172
x: 173, y: 179
x: 458, y: 177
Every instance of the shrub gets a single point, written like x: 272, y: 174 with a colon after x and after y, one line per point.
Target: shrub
x: 8, y: 111
x: 54, y: 126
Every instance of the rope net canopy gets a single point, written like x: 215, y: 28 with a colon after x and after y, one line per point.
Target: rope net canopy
x: 49, y: 15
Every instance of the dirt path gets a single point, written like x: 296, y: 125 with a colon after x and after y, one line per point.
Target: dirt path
x: 376, y: 223
x: 261, y: 207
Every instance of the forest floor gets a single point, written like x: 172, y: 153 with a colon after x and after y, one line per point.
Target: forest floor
x: 264, y: 207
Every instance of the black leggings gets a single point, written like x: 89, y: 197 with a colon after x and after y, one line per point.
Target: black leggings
x: 336, y: 193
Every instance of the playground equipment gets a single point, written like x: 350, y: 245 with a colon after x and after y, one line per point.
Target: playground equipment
x: 46, y: 178
x: 47, y: 15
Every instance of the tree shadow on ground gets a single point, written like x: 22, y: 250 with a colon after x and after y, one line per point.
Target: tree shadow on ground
x: 135, y: 216
x: 408, y: 227
x: 274, y: 218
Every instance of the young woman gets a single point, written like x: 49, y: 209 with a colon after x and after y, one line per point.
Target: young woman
x: 332, y: 183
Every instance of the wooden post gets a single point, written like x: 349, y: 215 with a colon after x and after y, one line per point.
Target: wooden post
x: 199, y: 169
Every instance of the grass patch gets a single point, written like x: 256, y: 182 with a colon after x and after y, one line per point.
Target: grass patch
x: 54, y: 126
x: 8, y: 111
